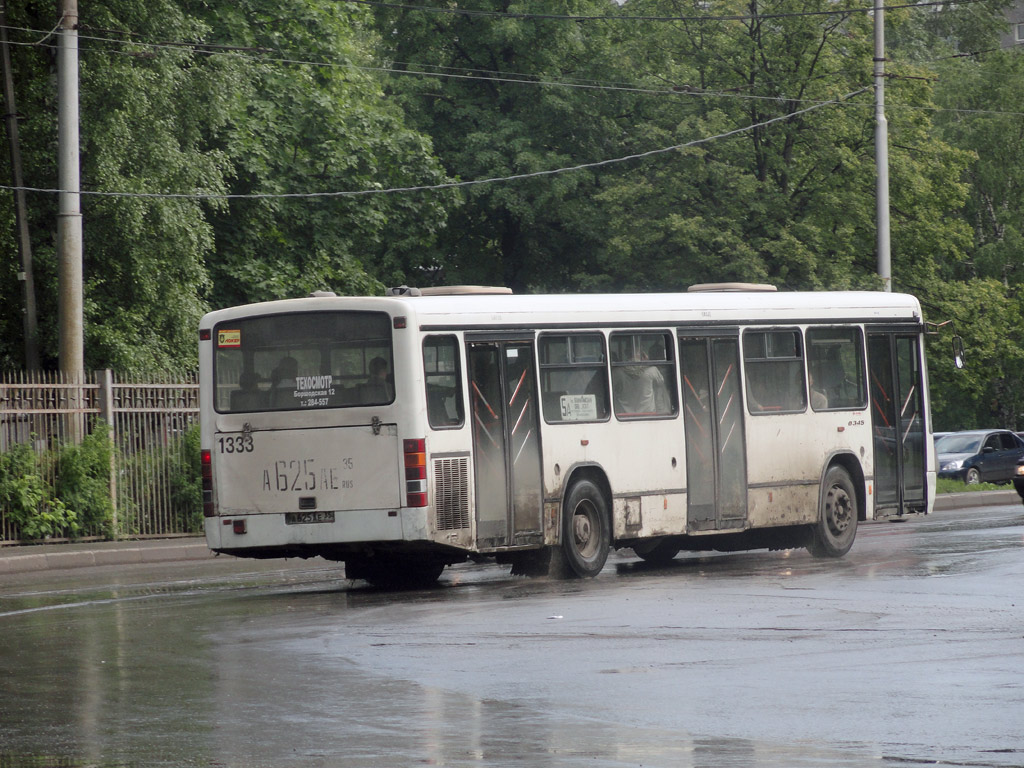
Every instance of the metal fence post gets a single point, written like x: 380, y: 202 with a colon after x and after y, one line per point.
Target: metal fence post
x: 105, y: 401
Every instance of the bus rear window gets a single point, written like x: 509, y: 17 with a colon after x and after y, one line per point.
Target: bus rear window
x: 303, y: 360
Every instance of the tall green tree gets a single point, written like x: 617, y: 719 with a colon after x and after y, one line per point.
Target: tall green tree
x: 144, y: 276
x: 986, y: 393
x: 208, y: 97
x: 305, y: 113
x: 982, y: 292
x: 505, y: 95
x: 790, y: 202
x: 143, y: 109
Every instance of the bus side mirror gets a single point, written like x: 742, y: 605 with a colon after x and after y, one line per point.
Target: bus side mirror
x: 958, y: 352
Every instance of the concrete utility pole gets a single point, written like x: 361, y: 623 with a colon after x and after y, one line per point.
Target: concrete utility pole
x: 28, y: 287
x: 882, y: 152
x: 69, y: 217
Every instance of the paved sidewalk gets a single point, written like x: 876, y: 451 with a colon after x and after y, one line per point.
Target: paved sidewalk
x: 41, y: 557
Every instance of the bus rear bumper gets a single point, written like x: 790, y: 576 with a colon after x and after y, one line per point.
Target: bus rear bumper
x: 293, y: 532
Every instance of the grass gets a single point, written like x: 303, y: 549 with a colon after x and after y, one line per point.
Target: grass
x: 945, y: 485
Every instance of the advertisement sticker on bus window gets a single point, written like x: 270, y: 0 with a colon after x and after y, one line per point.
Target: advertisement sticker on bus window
x: 579, y: 407
x: 229, y: 338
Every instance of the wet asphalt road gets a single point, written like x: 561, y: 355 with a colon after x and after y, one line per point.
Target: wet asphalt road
x: 908, y: 651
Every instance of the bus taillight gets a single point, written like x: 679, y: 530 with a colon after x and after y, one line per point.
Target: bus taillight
x: 415, y: 472
x: 206, y: 460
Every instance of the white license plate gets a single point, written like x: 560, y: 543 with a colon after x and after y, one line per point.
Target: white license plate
x: 301, y: 518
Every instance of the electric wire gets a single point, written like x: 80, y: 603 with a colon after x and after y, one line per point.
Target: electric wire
x: 446, y: 185
x: 518, y: 79
x: 469, y: 12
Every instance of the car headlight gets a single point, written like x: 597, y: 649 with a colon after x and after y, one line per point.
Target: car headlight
x: 957, y: 464
x: 1020, y: 470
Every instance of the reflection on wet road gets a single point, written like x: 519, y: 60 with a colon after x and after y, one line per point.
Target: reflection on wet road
x: 909, y: 650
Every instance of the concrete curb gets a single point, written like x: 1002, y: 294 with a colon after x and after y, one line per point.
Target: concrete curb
x: 976, y: 499
x: 44, y: 557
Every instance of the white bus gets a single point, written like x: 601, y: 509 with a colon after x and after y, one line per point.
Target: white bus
x: 403, y: 433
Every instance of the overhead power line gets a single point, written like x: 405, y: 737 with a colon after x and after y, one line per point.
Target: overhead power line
x: 452, y: 184
x: 414, y: 69
x: 469, y: 12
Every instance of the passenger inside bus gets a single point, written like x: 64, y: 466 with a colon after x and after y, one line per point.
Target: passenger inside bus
x: 378, y: 387
x: 248, y: 396
x: 282, y: 383
x: 639, y: 389
x: 819, y: 401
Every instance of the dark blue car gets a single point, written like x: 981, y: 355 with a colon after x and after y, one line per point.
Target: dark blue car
x: 980, y: 455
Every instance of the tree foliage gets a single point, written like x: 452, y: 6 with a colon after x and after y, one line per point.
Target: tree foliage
x: 240, y: 115
x: 789, y: 200
x: 303, y: 115
x: 508, y: 100
x: 750, y: 126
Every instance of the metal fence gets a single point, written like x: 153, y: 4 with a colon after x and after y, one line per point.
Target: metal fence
x: 153, y: 467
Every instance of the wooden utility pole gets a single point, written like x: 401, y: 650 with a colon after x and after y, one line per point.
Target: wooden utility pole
x: 28, y: 287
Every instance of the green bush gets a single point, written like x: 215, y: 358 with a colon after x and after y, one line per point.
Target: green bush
x: 159, y: 474
x: 186, y: 481
x: 83, y: 481
x: 29, y: 498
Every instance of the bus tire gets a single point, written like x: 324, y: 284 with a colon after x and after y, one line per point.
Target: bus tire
x: 586, y: 530
x: 833, y: 534
x: 664, y: 551
x: 394, y: 573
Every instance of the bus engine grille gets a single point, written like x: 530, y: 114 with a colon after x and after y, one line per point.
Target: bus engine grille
x: 451, y: 493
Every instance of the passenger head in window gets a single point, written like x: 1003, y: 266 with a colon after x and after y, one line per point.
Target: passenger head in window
x: 378, y: 371
x: 282, y: 382
x: 379, y: 386
x: 284, y: 374
x: 248, y: 396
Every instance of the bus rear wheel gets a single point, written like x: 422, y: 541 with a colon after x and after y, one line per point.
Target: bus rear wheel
x: 394, y: 572
x: 586, y: 530
x: 833, y: 534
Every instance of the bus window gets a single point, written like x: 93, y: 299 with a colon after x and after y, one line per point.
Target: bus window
x: 443, y: 378
x: 303, y: 360
x: 835, y: 365
x: 775, y: 371
x: 573, y: 378
x: 643, y: 377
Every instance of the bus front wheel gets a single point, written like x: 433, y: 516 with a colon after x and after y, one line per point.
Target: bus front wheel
x: 833, y: 534
x: 586, y: 530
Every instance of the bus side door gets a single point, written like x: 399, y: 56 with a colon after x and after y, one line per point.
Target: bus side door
x: 716, y: 451
x: 506, y: 441
x: 894, y: 372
